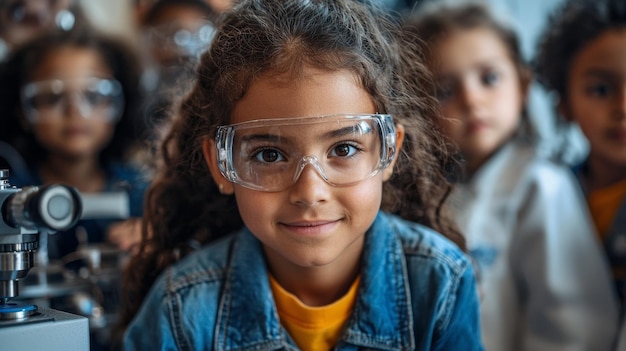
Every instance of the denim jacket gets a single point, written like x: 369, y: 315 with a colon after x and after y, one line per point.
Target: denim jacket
x: 417, y: 292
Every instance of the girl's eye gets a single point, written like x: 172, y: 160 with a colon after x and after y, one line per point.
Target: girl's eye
x: 490, y: 78
x: 343, y: 150
x: 268, y: 156
x: 599, y: 90
x: 95, y: 99
x: 46, y: 100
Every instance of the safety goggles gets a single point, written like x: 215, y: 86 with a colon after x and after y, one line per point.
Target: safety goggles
x: 91, y: 97
x: 15, y: 14
x: 271, y: 154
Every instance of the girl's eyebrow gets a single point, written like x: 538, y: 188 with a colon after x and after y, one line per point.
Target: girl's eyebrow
x: 263, y: 137
x: 333, y: 134
x: 362, y: 126
x: 599, y: 72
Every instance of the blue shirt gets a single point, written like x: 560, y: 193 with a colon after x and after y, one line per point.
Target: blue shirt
x: 417, y: 292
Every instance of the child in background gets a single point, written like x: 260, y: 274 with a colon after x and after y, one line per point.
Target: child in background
x: 24, y: 20
x: 309, y: 127
x: 70, y: 99
x: 582, y: 59
x: 174, y: 33
x: 543, y: 281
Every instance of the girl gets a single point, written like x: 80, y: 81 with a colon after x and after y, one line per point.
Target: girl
x: 69, y: 110
x: 307, y: 128
x: 543, y: 281
x: 588, y: 40
x: 174, y: 33
x: 24, y: 20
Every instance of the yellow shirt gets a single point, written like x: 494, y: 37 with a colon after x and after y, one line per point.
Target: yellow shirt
x: 313, y: 328
x: 604, y: 204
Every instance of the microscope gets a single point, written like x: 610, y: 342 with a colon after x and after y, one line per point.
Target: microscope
x: 24, y: 214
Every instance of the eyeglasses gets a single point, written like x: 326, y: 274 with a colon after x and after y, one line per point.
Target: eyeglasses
x: 185, y: 42
x: 92, y: 97
x: 271, y: 154
x: 37, y: 13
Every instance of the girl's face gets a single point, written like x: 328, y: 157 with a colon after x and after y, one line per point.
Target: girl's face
x: 480, y: 92
x: 596, y: 97
x: 310, y: 223
x: 71, y: 118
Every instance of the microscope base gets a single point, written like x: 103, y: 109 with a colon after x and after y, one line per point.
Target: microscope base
x: 52, y: 330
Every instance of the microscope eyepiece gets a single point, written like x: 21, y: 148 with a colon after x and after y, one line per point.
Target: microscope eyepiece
x: 51, y: 207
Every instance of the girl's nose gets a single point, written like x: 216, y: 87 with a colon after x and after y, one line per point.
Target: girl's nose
x: 76, y: 107
x: 310, y: 188
x: 471, y: 96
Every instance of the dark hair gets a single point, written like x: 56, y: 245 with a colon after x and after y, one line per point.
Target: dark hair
x: 568, y: 29
x: 16, y: 72
x: 434, y: 21
x: 184, y: 206
x: 161, y: 6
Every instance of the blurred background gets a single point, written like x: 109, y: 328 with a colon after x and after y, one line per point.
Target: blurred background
x: 133, y: 59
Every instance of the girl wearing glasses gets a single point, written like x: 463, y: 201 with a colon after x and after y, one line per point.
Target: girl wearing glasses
x: 298, y: 205
x: 68, y: 110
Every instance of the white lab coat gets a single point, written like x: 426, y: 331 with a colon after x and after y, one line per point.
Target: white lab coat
x: 543, y: 279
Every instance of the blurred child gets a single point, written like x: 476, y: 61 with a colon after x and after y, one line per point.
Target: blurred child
x: 174, y: 33
x: 69, y: 99
x: 544, y: 283
x: 24, y: 20
x: 308, y: 128
x: 582, y: 59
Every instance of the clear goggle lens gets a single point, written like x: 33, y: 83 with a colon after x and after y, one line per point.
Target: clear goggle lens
x: 37, y: 13
x: 91, y: 97
x: 271, y: 154
x: 186, y: 42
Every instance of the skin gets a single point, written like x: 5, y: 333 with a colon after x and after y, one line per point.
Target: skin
x: 73, y: 141
x: 596, y: 100
x: 312, y: 232
x: 220, y: 5
x: 481, y: 92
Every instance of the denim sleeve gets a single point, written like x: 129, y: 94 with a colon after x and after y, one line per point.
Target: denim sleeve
x: 151, y: 328
x: 460, y: 325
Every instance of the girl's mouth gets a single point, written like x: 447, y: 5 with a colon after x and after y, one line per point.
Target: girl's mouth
x: 311, y: 228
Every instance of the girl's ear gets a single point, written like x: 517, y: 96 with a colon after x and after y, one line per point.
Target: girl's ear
x: 399, y: 139
x: 210, y: 157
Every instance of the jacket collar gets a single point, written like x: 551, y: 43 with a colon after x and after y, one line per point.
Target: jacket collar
x: 381, y: 319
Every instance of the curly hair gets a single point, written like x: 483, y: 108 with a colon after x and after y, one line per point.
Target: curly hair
x: 16, y: 72
x: 184, y: 207
x: 568, y: 30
